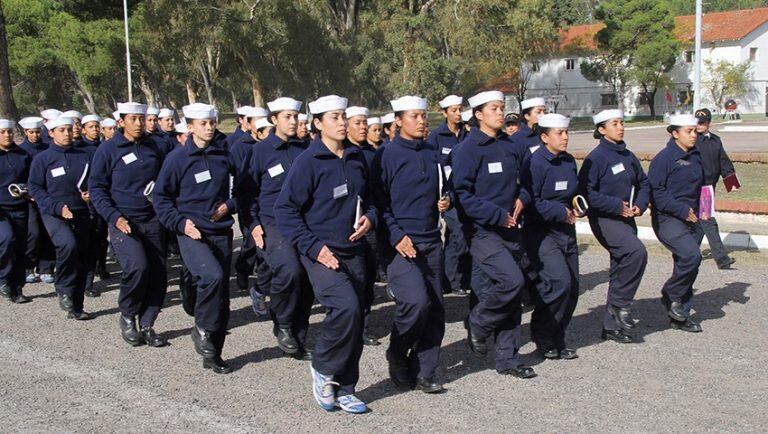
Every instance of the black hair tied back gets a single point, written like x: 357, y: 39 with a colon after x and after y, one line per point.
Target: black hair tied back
x: 596, y: 134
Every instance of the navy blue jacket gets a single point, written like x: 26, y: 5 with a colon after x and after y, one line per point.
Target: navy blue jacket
x: 524, y: 137
x: 165, y: 141
x: 191, y: 183
x: 121, y: 171
x: 405, y: 177
x: 552, y: 182
x: 369, y: 152
x: 45, y: 136
x: 241, y: 151
x: 236, y: 136
x: 607, y: 176
x: 485, y: 178
x: 33, y: 148
x: 53, y: 179
x: 14, y: 169
x: 88, y: 145
x: 442, y: 140
x: 676, y: 177
x: 271, y: 159
x: 318, y: 202
x: 713, y: 158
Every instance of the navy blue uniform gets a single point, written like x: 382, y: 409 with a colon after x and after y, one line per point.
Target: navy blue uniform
x: 485, y: 179
x: 121, y: 171
x: 14, y: 217
x: 407, y: 186
x: 97, y: 251
x: 236, y: 136
x: 40, y: 253
x: 551, y: 243
x: 53, y: 180
x: 606, y: 180
x: 191, y: 184
x: 525, y: 137
x: 716, y: 164
x: 316, y: 208
x: 676, y: 178
x: 248, y: 256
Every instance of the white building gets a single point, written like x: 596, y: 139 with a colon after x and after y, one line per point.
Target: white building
x: 735, y: 36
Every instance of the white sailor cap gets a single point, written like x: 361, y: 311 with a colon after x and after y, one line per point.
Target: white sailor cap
x: 283, y: 104
x: 50, y: 114
x: 683, y: 120
x: 243, y: 110
x: 91, y: 118
x: 166, y: 113
x: 466, y: 115
x: 327, y: 103
x: 451, y: 100
x: 153, y: 111
x: 388, y: 118
x: 485, y: 97
x: 257, y: 112
x: 408, y: 102
x: 59, y: 121
x: 607, y: 115
x: 532, y: 102
x: 181, y: 127
x: 263, y: 123
x: 374, y: 121
x: 108, y: 122
x: 554, y: 120
x: 303, y: 117
x: 130, y: 108
x: 6, y: 124
x: 116, y: 115
x: 74, y: 114
x: 199, y: 111
x: 31, y: 123
x: 356, y: 111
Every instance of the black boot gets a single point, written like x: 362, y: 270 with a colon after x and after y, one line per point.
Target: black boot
x: 217, y: 365
x: 286, y: 340
x: 128, y: 331
x: 203, y: 342
x: 151, y: 338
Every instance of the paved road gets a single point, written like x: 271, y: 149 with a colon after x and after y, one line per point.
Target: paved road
x: 66, y: 376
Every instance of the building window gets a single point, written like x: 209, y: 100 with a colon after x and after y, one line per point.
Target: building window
x: 685, y: 97
x: 688, y: 56
x: 535, y: 66
x: 753, y: 54
x: 608, y: 99
x: 570, y: 64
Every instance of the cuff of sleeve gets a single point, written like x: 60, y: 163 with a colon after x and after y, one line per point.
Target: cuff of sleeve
x: 682, y: 213
x: 113, y: 218
x: 372, y: 218
x: 180, y: 225
x: 314, y: 250
x: 232, y: 206
x: 58, y: 208
x: 499, y: 216
x: 395, y: 235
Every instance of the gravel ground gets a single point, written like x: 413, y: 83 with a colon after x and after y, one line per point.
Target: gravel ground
x: 66, y: 376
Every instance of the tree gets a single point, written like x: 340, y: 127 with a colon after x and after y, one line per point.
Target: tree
x: 726, y: 80
x: 7, y: 105
x: 688, y: 7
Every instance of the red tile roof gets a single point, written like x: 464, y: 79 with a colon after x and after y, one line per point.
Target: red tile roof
x: 716, y: 26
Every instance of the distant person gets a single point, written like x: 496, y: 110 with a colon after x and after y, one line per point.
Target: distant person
x: 511, y: 123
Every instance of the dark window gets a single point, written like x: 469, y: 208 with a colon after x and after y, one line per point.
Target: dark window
x: 753, y: 54
x: 608, y: 99
x: 570, y: 64
x: 688, y: 56
x: 535, y: 66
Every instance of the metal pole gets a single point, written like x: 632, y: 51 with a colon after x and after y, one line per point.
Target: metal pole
x: 127, y: 51
x: 697, y: 60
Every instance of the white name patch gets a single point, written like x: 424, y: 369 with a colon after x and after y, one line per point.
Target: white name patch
x: 561, y: 185
x: 446, y: 151
x: 340, y: 191
x: 203, y: 176
x: 617, y: 168
x: 275, y: 170
x: 129, y: 158
x: 495, y: 167
x: 534, y: 148
x: 59, y: 171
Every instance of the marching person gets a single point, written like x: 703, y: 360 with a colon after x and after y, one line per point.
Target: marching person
x: 716, y: 163
x: 388, y: 128
x: 525, y: 136
x: 14, y: 214
x: 164, y: 131
x: 97, y: 260
x: 40, y: 252
x: 290, y: 295
x: 124, y: 171
x: 485, y: 179
x: 150, y: 120
x: 303, y: 129
x: 57, y: 182
x: 511, y: 123
x: 373, y: 137
x: 325, y: 210
x: 77, y: 126
x: 615, y: 186
x: 108, y: 128
x: 241, y: 130
x: 551, y: 236
x: 48, y: 114
x: 676, y: 176
x: 409, y: 177
x: 192, y: 197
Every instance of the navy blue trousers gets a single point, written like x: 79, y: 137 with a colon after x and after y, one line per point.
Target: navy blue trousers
x: 371, y: 267
x: 712, y: 231
x: 340, y: 344
x: 13, y: 237
x: 97, y: 251
x: 628, y: 259
x: 419, y: 324
x: 246, y: 259
x: 41, y: 254
x: 71, y: 238
x: 458, y: 262
x: 498, y: 311
x: 144, y: 281
x: 555, y: 255
x: 683, y: 240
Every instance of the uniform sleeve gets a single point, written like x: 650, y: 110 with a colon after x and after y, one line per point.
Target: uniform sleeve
x: 369, y: 205
x: 726, y: 165
x: 293, y: 197
x: 590, y: 175
x: 663, y: 200
x: 381, y: 178
x: 236, y: 170
x: 464, y: 174
x: 533, y: 179
x: 99, y: 184
x: 643, y: 194
x: 251, y: 191
x: 38, y: 189
x: 164, y: 196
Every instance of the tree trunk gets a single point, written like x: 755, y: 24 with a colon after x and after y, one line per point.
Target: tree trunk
x: 191, y: 94
x: 7, y: 105
x: 258, y: 97
x: 234, y: 100
x: 651, y: 100
x: 84, y: 93
x: 206, y: 82
x: 146, y: 89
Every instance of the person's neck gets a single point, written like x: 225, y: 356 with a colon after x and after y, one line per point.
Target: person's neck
x: 454, y: 128
x: 254, y: 135
x: 553, y: 150
x: 281, y: 135
x: 353, y: 141
x: 335, y: 146
x: 488, y: 131
x: 681, y: 146
x: 200, y: 143
x: 131, y: 137
x: 62, y: 146
x: 6, y: 147
x: 406, y: 136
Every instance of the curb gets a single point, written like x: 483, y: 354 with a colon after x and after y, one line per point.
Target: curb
x: 738, y: 240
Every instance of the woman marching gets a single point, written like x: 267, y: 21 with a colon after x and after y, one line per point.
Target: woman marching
x: 676, y: 176
x: 485, y: 178
x: 525, y: 136
x: 617, y: 191
x: 57, y: 182
x: 551, y: 236
x: 192, y: 198
x: 324, y: 209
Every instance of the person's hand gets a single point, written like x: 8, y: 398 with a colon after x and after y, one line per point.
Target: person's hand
x: 704, y: 216
x: 510, y: 221
x: 258, y: 236
x: 66, y: 213
x: 326, y: 258
x: 519, y: 207
x: 363, y: 227
x: 570, y: 216
x: 86, y: 196
x: 636, y: 211
x: 405, y: 248
x: 444, y: 204
x: 692, y: 216
x: 626, y: 211
x: 221, y: 211
x: 123, y: 225
x: 191, y: 231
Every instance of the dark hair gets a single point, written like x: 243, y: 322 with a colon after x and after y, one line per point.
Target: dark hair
x: 311, y: 122
x: 473, y: 122
x: 539, y: 130
x: 596, y: 134
x: 671, y: 128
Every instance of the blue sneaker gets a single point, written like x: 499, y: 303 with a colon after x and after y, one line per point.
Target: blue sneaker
x: 259, y: 304
x: 32, y: 277
x: 351, y: 404
x: 46, y: 278
x: 323, y: 389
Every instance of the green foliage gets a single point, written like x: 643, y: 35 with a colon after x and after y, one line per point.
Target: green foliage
x: 726, y: 80
x: 688, y: 7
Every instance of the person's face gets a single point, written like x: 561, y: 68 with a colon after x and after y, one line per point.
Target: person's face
x: 685, y: 137
x: 332, y: 125
x: 91, y: 130
x: 533, y: 117
x: 702, y: 127
x: 374, y: 134
x: 150, y: 123
x: 133, y: 125
x: 613, y: 130
x: 286, y: 122
x: 491, y: 116
x: 302, y: 129
x: 33, y: 135
x: 262, y: 133
x: 203, y: 129
x: 77, y: 129
x: 412, y: 124
x: 556, y: 140
x: 108, y: 132
x: 357, y: 128
x: 511, y: 128
x: 166, y: 124
x: 6, y: 137
x: 62, y: 135
x: 452, y: 114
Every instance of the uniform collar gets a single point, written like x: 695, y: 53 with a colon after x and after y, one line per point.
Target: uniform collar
x: 550, y: 156
x: 410, y: 144
x: 319, y: 150
x: 443, y: 130
x: 14, y: 149
x: 216, y: 145
x: 38, y: 145
x: 276, y: 142
x: 480, y: 138
x: 120, y: 140
x: 525, y: 130
x: 677, y: 152
x: 616, y: 147
x: 68, y: 149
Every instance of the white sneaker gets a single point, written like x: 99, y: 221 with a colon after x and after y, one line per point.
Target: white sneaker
x: 323, y: 389
x: 351, y: 404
